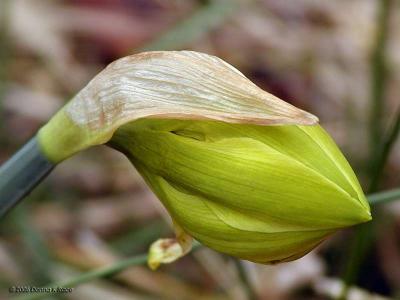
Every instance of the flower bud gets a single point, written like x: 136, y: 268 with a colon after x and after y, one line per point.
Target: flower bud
x: 263, y: 193
x: 238, y: 169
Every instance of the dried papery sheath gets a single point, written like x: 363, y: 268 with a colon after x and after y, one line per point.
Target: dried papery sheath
x: 166, y: 84
x: 238, y: 169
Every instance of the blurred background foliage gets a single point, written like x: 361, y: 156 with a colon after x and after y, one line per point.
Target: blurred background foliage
x: 339, y: 59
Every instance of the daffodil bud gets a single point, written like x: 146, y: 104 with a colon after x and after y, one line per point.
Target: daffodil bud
x: 238, y: 169
x: 262, y: 193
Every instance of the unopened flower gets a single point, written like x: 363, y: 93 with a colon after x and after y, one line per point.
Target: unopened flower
x: 238, y: 169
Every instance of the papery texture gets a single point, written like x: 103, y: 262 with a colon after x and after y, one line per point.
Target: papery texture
x: 165, y: 84
x: 177, y: 84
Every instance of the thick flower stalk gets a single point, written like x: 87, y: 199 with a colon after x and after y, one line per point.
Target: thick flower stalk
x: 238, y: 169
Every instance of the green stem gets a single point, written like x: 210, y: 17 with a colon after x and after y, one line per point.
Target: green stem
x: 378, y: 76
x: 363, y: 240
x: 95, y: 274
x: 384, y: 197
x: 364, y: 235
x: 89, y: 276
x: 388, y: 143
x: 21, y: 173
x: 374, y: 199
